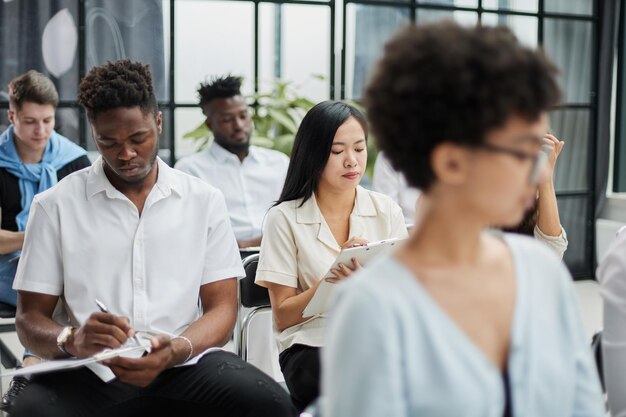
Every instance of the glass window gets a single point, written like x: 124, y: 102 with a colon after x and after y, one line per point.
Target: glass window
x: 31, y: 33
x: 572, y: 168
x: 524, y: 27
x: 306, y: 49
x: 187, y: 119
x: 459, y: 16
x: 213, y: 38
x: 116, y: 29
x: 584, y: 7
x: 367, y: 30
x: 568, y: 43
x: 517, y: 5
x: 456, y: 3
x: 295, y: 47
x: 67, y: 124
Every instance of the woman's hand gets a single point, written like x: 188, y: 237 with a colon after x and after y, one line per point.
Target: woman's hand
x: 344, y: 271
x: 354, y: 242
x: 556, y: 146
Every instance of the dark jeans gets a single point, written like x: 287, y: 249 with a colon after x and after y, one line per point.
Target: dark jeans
x: 220, y: 385
x: 300, y: 365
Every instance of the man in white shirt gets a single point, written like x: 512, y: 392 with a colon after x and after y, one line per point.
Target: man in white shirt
x: 392, y: 183
x: 156, y: 247
x: 250, y: 177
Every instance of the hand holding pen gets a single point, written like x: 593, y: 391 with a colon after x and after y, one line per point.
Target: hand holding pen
x: 104, y: 309
x: 102, y: 330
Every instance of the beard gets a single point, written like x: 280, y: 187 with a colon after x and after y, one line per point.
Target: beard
x: 235, y: 148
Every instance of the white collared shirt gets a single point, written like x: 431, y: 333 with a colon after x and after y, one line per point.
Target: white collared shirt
x: 85, y: 241
x: 298, y: 248
x: 249, y: 187
x: 393, y: 183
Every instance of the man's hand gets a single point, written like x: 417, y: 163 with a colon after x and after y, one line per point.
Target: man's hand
x: 142, y: 371
x: 100, y: 331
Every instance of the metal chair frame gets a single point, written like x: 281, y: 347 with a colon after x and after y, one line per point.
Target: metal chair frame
x: 257, y: 306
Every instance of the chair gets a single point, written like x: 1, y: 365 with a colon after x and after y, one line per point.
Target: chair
x: 7, y: 357
x: 596, y: 349
x: 250, y: 296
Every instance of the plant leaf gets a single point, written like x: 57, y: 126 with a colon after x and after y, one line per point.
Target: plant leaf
x: 284, y: 120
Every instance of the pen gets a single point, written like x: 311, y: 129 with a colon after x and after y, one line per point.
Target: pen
x: 104, y: 309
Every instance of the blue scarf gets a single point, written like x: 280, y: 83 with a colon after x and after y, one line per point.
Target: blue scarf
x: 35, y: 178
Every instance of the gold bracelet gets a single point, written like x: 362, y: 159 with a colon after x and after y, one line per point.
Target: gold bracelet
x: 190, y: 346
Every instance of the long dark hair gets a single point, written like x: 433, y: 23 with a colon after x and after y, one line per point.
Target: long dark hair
x: 312, y: 145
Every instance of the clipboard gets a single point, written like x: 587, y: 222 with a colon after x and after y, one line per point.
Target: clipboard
x: 320, y: 303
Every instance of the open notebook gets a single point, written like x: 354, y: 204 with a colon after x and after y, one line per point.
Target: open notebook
x: 135, y: 347
x: 133, y: 351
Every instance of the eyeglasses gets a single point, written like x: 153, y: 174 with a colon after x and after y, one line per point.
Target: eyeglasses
x: 539, y: 159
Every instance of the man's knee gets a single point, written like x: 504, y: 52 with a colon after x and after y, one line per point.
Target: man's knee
x: 36, y: 401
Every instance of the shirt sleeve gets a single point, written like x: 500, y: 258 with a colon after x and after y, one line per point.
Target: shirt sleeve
x: 612, y: 277
x: 361, y: 360
x: 40, y: 268
x: 222, y: 258
x: 278, y: 256
x: 557, y: 243
x: 186, y: 166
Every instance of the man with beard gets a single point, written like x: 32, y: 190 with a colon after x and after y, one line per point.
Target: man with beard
x: 155, y: 246
x: 250, y: 177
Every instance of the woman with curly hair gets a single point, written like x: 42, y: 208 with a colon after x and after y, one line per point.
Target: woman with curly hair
x: 461, y: 321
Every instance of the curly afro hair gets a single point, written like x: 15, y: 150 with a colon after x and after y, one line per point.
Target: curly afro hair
x: 122, y: 83
x: 446, y: 83
x: 218, y: 87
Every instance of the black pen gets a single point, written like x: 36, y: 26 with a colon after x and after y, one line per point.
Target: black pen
x: 104, y: 309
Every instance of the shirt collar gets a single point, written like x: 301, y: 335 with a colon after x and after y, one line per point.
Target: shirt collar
x: 310, y: 213
x: 222, y: 155
x: 97, y: 180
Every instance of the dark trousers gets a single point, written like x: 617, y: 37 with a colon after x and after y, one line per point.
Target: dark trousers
x: 220, y: 385
x: 300, y: 365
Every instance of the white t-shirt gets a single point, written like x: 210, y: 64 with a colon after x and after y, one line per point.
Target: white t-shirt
x: 612, y: 278
x: 85, y: 241
x: 392, y: 183
x: 298, y: 248
x: 249, y: 187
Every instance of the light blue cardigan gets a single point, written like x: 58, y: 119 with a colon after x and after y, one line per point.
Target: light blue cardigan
x: 392, y: 352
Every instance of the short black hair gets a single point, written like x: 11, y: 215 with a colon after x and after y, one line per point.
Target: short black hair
x: 443, y: 82
x: 219, y: 87
x: 122, y: 83
x: 312, y: 146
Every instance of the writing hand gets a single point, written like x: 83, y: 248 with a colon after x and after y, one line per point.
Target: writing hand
x: 100, y: 331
